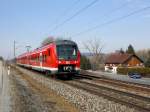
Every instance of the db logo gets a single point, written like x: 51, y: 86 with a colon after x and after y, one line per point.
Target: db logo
x: 67, y: 68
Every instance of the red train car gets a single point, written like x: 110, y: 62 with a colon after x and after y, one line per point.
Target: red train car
x: 58, y: 57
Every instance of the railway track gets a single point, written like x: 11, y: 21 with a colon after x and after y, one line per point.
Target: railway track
x: 140, y: 89
x: 132, y: 100
x: 90, y: 76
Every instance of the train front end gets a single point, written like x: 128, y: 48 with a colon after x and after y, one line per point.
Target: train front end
x: 68, y: 57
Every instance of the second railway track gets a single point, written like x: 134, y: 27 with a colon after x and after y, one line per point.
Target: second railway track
x: 140, y: 89
x: 139, y: 102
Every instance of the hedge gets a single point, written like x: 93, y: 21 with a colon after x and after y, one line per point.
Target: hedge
x: 144, y: 71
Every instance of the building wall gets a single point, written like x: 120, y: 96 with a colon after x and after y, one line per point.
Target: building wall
x: 134, y: 62
x: 111, y: 68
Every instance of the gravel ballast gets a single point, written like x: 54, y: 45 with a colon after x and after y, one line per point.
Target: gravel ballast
x: 83, y: 100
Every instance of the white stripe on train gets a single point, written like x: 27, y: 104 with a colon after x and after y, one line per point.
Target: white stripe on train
x: 43, y: 68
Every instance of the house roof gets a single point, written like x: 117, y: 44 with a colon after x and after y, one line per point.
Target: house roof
x: 119, y: 58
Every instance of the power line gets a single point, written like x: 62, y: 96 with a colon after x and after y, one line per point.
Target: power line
x: 76, y: 14
x: 115, y: 9
x: 112, y: 21
x: 67, y: 11
x: 118, y: 8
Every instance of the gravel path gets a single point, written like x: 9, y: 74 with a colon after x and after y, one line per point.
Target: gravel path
x: 83, y: 100
x: 5, y: 96
x: 29, y: 96
x: 20, y: 94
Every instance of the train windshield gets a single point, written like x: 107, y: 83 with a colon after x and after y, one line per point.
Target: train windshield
x: 67, y: 52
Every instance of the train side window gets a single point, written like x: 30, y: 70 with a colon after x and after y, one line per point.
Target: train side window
x: 45, y: 58
x: 49, y: 52
x: 42, y: 58
x: 37, y: 58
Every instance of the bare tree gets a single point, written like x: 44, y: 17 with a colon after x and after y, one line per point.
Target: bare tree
x: 144, y: 54
x: 47, y: 41
x: 94, y: 47
x: 51, y: 39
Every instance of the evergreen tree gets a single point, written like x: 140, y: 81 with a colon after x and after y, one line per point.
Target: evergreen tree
x: 85, y: 63
x: 1, y: 58
x: 121, y: 51
x: 147, y: 63
x: 130, y: 50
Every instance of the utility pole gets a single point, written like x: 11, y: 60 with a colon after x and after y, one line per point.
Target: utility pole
x: 14, y: 49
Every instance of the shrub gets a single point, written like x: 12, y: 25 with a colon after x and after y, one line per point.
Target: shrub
x: 143, y: 71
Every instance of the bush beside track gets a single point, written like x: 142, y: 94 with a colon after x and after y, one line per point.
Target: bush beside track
x: 143, y: 71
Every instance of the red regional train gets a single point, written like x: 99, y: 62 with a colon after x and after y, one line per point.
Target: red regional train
x: 58, y: 57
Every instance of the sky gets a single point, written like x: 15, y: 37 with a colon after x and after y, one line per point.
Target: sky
x: 28, y: 22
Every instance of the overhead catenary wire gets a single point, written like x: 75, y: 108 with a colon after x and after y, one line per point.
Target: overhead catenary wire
x: 118, y: 8
x: 75, y: 14
x: 111, y: 21
x: 66, y: 11
x: 115, y: 9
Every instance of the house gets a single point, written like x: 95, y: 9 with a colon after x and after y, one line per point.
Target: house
x: 121, y: 59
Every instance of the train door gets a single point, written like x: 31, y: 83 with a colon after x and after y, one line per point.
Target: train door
x: 40, y: 60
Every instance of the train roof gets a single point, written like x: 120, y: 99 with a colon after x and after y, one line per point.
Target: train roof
x: 67, y: 42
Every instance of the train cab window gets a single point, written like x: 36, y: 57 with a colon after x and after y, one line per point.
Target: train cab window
x: 67, y: 51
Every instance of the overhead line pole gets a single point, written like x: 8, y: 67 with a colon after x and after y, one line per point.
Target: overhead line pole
x: 14, y: 49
